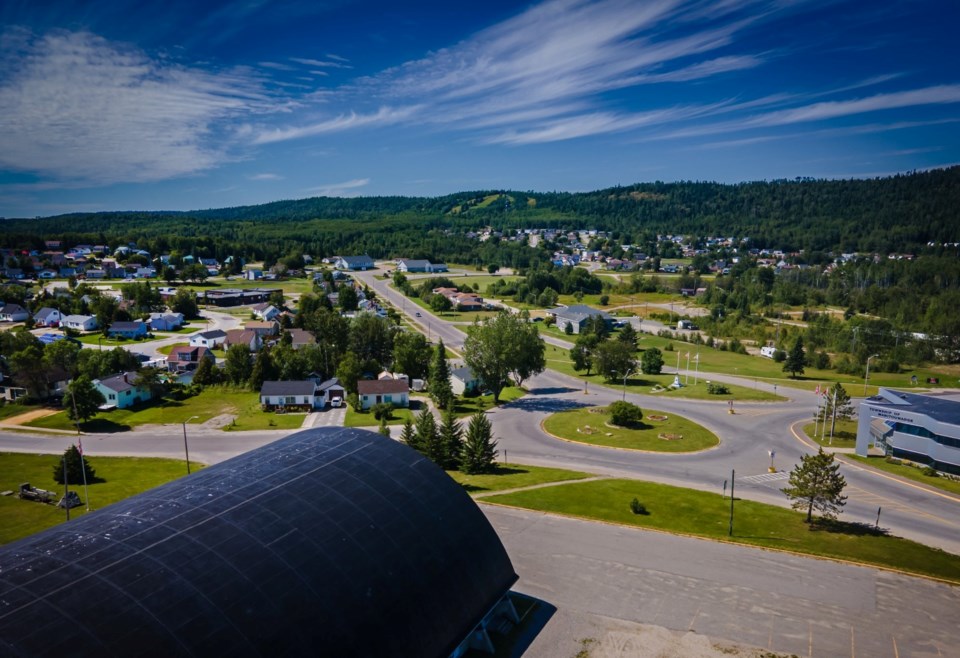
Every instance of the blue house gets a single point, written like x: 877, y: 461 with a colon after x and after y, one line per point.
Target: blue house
x: 135, y: 329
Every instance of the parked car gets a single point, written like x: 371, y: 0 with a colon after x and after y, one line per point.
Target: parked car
x: 336, y: 402
x: 418, y: 314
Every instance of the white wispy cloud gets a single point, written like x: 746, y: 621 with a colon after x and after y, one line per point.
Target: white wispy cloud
x: 75, y: 106
x: 350, y: 121
x: 338, y: 63
x: 266, y: 176
x: 346, y: 188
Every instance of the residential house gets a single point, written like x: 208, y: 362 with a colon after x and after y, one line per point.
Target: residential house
x: 186, y: 358
x: 251, y: 339
x: 300, y: 338
x: 166, y: 321
x: 210, y: 339
x: 252, y: 274
x: 79, y: 322
x: 576, y: 315
x: 263, y: 329
x: 13, y: 313
x: 413, y: 265
x: 328, y: 390
x: 265, y: 311
x: 47, y: 274
x: 288, y: 395
x: 120, y: 392
x: 47, y: 317
x: 353, y: 263
x: 383, y: 391
x: 463, y: 381
x: 135, y: 329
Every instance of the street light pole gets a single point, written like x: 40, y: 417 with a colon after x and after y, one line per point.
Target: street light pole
x: 186, y: 448
x: 867, y: 377
x: 627, y: 374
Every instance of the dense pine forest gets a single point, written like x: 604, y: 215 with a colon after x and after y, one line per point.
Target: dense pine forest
x: 885, y: 215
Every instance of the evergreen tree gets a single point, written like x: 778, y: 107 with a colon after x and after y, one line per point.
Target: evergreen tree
x: 816, y: 484
x: 440, y: 389
x: 263, y: 370
x: 628, y: 335
x: 795, y: 359
x: 408, y: 436
x: 479, y: 452
x: 427, y: 436
x: 206, y: 373
x: 384, y: 428
x: 76, y: 465
x: 843, y: 405
x: 451, y: 438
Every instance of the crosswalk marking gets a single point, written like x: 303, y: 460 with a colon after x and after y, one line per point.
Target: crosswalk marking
x: 765, y: 477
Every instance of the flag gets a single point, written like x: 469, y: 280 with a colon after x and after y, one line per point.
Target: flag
x: 817, y: 391
x: 80, y: 446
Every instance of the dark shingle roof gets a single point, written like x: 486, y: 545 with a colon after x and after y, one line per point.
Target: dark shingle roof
x: 305, y: 387
x: 380, y: 386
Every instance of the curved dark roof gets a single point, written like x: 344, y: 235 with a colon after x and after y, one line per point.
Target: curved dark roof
x: 330, y: 542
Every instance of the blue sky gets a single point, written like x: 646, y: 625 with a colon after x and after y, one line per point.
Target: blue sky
x: 133, y: 105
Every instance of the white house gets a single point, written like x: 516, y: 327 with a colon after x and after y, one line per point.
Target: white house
x: 265, y: 311
x: 383, y: 391
x: 463, y: 381
x: 209, y: 339
x: 47, y: 317
x: 120, y: 392
x: 328, y: 390
x: 166, y: 321
x: 13, y: 313
x: 297, y: 395
x: 79, y: 322
x: 353, y: 262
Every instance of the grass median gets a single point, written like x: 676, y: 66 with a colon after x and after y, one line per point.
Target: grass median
x: 702, y: 514
x: 659, y: 431
x: 513, y: 476
x: 905, y: 470
x: 121, y: 477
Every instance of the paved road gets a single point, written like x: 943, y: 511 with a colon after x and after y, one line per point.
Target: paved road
x: 777, y: 601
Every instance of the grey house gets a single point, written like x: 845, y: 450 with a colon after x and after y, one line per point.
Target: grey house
x: 576, y: 316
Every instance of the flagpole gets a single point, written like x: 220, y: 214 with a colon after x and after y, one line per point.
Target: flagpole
x: 83, y: 468
x: 696, y: 371
x: 816, y: 414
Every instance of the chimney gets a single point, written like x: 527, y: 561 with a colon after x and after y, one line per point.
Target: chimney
x: 125, y: 378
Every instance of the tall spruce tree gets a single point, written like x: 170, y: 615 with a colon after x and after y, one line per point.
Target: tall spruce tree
x: 440, y: 389
x: 428, y: 438
x: 408, y: 435
x: 795, y: 359
x: 816, y: 484
x: 451, y: 438
x: 479, y: 452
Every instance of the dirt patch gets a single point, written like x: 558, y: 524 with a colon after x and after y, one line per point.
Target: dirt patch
x: 26, y: 417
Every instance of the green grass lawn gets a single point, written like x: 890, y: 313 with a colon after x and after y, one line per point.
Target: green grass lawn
x: 513, y: 476
x: 844, y: 435
x: 702, y: 514
x: 696, y: 388
x: 366, y: 419
x: 591, y: 426
x: 99, y: 340
x: 166, y: 349
x: 908, y: 472
x: 123, y: 477
x: 470, y: 405
x: 212, y: 401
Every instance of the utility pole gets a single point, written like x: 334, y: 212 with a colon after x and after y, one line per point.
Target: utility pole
x: 833, y: 423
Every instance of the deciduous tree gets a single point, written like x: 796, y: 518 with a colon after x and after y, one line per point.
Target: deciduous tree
x: 82, y: 399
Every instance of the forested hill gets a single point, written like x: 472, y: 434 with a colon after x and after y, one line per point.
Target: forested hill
x: 896, y: 214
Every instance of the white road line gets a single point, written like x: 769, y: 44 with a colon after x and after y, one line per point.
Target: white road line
x: 766, y: 477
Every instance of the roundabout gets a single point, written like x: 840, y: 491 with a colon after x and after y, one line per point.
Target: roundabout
x: 655, y: 432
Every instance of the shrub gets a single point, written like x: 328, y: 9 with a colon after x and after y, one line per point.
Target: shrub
x: 893, y: 460
x: 604, y: 300
x: 382, y: 411
x: 624, y: 414
x: 779, y: 356
x: 821, y: 360
x: 930, y: 472
x: 717, y: 389
x: 638, y: 508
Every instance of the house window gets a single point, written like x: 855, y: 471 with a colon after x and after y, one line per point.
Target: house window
x: 388, y: 399
x: 113, y: 397
x: 290, y: 399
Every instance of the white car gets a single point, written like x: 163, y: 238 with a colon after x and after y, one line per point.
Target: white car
x: 336, y: 402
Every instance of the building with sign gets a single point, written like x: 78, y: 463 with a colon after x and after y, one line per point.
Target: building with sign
x: 921, y: 428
